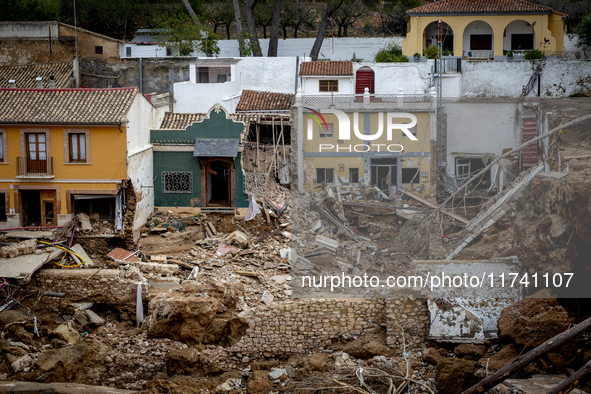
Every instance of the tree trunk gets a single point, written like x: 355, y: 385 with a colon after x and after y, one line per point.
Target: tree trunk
x: 340, y: 31
x: 252, y: 28
x: 284, y: 32
x: 274, y: 39
x: 191, y: 12
x: 228, y: 30
x: 238, y: 20
x: 328, y: 11
x: 264, y: 31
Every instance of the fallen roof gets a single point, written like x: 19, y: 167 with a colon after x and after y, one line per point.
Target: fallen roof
x: 254, y: 100
x: 331, y: 67
x: 25, y: 76
x: 66, y: 106
x: 476, y: 7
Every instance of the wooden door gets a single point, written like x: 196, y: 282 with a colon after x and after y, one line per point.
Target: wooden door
x: 36, y: 153
x: 364, y: 79
x: 48, y: 208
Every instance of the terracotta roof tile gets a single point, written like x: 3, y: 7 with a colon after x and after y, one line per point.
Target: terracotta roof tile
x: 24, y: 76
x: 332, y: 68
x: 176, y: 121
x: 65, y: 106
x: 254, y: 100
x: 472, y: 7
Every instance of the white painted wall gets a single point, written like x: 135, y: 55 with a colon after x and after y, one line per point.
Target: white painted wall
x: 39, y: 30
x: 260, y: 73
x: 506, y: 79
x: 311, y: 85
x: 141, y: 118
x: 141, y: 173
x: 481, y: 126
x: 389, y: 77
x: 339, y: 48
x: 477, y: 27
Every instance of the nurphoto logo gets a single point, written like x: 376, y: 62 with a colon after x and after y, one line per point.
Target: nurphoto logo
x: 391, y: 119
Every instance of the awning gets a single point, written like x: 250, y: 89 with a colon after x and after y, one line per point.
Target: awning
x: 216, y: 148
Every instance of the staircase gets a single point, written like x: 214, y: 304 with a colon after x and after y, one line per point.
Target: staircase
x: 529, y: 154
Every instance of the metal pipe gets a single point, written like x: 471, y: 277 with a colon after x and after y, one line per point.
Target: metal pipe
x: 141, y: 79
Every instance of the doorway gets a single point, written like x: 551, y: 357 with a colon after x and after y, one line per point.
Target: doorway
x: 384, y: 173
x: 218, y: 190
x: 39, y: 207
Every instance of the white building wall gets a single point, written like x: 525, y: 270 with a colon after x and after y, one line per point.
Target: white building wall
x: 142, y: 117
x: 389, y: 77
x: 270, y: 74
x: 338, y: 48
x: 311, y: 85
x: 481, y: 127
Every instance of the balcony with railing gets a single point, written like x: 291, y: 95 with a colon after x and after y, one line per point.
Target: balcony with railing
x: 30, y: 168
x: 374, y: 102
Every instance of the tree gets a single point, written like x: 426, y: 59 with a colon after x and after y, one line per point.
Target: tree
x: 347, y: 15
x: 329, y: 9
x: 263, y: 15
x: 239, y: 28
x: 274, y: 39
x: 220, y: 14
x: 583, y: 30
x: 392, y: 14
x: 295, y: 15
x: 251, y: 25
x: 180, y: 33
x: 32, y: 10
x: 113, y: 18
x: 208, y: 43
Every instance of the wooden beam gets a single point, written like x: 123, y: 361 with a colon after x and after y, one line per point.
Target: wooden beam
x: 431, y: 205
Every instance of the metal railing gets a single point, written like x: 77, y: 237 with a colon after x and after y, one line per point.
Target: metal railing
x: 28, y: 167
x: 337, y: 99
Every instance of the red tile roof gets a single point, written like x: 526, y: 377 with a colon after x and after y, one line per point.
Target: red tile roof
x: 254, y: 100
x: 329, y: 68
x: 24, y: 76
x: 66, y: 106
x: 474, y: 7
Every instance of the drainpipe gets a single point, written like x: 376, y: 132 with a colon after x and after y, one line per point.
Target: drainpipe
x: 141, y: 79
x: 171, y: 96
x: 296, y: 73
x: 300, y: 135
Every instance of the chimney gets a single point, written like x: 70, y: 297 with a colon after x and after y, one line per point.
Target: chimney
x: 12, y: 84
x: 39, y: 82
x: 51, y: 82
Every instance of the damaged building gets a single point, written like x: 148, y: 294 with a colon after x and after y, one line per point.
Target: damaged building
x: 66, y: 151
x: 350, y: 134
x: 211, y: 161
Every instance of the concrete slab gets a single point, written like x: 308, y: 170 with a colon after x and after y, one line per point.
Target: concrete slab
x: 79, y: 250
x: 58, y: 388
x: 25, y: 234
x: 23, y: 267
x: 535, y: 385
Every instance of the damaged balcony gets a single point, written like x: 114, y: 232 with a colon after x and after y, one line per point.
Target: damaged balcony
x: 34, y: 168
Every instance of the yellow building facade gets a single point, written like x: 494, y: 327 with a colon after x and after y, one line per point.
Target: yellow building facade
x: 391, y: 161
x: 484, y: 29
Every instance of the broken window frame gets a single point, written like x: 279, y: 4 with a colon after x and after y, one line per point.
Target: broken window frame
x: 465, y: 164
x: 323, y: 178
x: 353, y: 175
x: 327, y: 132
x: 177, y: 190
x: 328, y: 85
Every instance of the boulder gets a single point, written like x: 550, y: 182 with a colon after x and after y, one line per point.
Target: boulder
x: 84, y: 362
x: 258, y: 383
x: 470, y: 351
x: 432, y: 356
x: 69, y: 336
x: 532, y: 321
x: 183, y: 319
x: 183, y: 362
x: 500, y: 359
x: 454, y: 375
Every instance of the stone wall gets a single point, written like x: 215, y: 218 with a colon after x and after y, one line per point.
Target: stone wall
x: 97, y: 73
x: 306, y: 325
x: 21, y: 52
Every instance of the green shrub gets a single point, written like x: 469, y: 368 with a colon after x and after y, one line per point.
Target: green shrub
x: 392, y: 53
x: 534, y: 54
x: 431, y: 52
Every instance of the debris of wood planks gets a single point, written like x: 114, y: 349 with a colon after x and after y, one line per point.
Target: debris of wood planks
x: 181, y: 263
x: 210, y: 230
x: 431, y: 205
x: 247, y: 273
